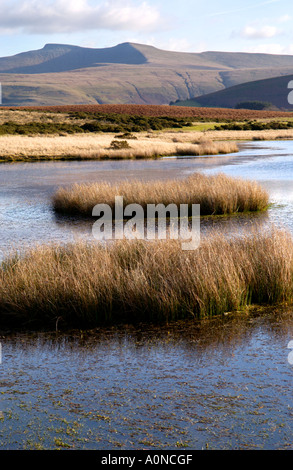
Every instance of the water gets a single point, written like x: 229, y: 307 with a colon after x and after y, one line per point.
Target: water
x: 26, y: 215
x: 271, y: 164
x: 218, y: 384
x: 223, y: 383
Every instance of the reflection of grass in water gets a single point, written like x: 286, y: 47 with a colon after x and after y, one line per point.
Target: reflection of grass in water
x: 277, y: 205
x: 134, y: 281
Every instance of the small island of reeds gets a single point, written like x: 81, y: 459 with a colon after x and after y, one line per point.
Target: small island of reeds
x: 217, y: 195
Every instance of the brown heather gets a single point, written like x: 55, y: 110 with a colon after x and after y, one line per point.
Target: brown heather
x: 160, y: 110
x: 86, y: 285
x: 216, y: 194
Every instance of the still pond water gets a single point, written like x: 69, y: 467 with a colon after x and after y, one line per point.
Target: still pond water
x: 223, y: 383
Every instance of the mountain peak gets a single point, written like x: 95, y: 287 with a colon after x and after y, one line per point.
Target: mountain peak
x: 129, y: 72
x: 58, y: 46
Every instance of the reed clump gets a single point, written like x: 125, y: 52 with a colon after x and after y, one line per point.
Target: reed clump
x: 217, y: 195
x: 86, y: 285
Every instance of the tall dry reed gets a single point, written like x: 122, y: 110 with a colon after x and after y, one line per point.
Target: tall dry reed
x: 85, y: 285
x: 216, y: 194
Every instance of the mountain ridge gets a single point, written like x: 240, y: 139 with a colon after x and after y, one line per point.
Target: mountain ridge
x: 135, y: 53
x: 128, y: 73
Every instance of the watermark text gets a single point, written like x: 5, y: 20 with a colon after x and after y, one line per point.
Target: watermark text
x: 155, y: 222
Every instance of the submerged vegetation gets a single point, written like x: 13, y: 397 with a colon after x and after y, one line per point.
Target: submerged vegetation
x: 85, y: 285
x: 216, y: 194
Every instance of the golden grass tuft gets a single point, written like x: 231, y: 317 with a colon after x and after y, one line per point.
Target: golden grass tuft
x: 86, y: 285
x: 216, y: 194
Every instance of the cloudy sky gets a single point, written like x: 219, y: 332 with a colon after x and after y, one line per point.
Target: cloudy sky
x: 182, y: 25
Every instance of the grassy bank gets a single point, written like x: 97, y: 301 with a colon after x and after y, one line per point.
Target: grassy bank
x: 104, y: 146
x: 89, y: 133
x: 216, y: 194
x: 85, y: 285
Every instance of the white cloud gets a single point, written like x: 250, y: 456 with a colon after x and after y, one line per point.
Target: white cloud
x: 284, y: 19
x: 64, y: 16
x: 244, y: 8
x: 264, y: 32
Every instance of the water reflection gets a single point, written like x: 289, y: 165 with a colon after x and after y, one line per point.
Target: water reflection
x: 224, y: 382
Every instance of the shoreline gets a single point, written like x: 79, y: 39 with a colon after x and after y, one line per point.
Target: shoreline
x: 96, y: 147
x: 116, y: 132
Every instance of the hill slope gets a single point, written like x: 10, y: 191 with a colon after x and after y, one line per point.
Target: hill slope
x: 127, y: 74
x: 272, y: 90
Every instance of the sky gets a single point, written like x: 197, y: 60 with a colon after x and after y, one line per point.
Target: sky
x: 179, y: 25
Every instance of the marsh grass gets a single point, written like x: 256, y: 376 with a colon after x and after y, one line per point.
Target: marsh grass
x: 216, y: 194
x: 97, y: 146
x: 86, y: 285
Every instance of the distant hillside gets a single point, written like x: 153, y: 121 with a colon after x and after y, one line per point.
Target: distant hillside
x: 273, y: 91
x: 127, y: 74
x: 60, y: 58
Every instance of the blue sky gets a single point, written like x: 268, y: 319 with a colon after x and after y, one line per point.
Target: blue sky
x: 182, y: 25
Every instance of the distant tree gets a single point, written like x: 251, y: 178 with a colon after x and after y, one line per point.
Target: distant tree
x: 257, y: 105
